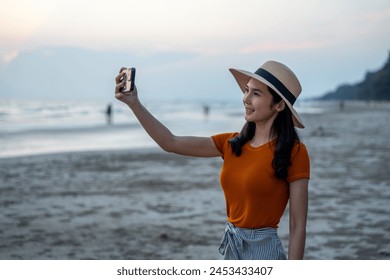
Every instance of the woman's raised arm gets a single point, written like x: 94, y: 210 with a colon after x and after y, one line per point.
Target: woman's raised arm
x: 184, y: 145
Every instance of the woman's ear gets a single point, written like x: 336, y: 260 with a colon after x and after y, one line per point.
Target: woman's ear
x: 280, y: 106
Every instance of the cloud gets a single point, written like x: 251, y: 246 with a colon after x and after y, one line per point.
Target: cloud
x: 10, y: 56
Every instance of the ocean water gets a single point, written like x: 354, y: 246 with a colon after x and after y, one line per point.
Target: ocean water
x: 39, y: 127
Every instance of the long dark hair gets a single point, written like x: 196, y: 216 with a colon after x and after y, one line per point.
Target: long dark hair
x: 286, y: 136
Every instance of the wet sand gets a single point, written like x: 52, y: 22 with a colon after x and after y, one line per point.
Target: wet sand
x: 147, y: 204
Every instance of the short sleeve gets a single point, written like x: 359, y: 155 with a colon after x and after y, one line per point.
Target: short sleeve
x: 221, y: 141
x: 300, y: 163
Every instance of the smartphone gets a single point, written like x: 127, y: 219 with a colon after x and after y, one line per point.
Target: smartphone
x: 129, y: 78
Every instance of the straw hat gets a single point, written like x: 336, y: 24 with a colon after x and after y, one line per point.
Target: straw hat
x: 278, y: 77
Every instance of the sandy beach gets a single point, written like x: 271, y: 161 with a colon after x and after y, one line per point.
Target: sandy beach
x: 147, y: 204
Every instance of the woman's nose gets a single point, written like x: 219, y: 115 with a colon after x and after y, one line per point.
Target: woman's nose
x: 246, y: 98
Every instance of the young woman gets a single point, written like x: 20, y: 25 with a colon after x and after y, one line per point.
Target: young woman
x: 265, y: 165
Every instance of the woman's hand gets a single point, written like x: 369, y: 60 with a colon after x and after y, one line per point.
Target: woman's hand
x: 129, y: 97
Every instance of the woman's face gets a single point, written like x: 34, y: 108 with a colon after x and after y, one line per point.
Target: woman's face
x: 257, y: 100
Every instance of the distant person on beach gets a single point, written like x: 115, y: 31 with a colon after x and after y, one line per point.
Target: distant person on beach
x: 265, y: 166
x: 341, y: 105
x: 206, y: 111
x: 109, y: 113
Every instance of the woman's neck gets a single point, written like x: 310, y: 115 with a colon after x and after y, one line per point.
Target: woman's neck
x: 263, y: 135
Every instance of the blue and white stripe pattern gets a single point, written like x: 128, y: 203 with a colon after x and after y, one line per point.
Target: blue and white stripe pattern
x: 251, y: 244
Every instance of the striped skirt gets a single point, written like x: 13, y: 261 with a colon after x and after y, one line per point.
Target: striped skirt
x: 251, y: 244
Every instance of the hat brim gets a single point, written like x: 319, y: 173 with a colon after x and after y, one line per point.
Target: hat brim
x: 242, y: 77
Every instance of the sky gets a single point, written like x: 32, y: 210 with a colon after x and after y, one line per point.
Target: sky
x: 325, y: 42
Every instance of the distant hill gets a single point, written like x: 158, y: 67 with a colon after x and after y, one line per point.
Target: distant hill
x: 375, y: 86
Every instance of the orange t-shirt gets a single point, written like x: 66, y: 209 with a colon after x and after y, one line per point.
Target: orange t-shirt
x: 255, y: 198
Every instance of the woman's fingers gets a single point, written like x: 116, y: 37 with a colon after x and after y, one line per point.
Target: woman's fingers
x: 119, y: 80
x: 119, y: 86
x: 119, y: 77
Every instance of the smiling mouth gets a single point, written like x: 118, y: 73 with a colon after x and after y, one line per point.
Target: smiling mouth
x: 248, y: 111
